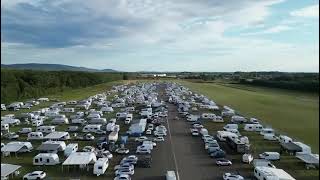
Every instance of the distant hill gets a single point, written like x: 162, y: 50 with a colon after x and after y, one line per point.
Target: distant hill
x: 52, y: 67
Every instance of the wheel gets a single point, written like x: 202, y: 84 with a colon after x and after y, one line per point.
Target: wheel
x: 25, y: 178
x: 38, y: 178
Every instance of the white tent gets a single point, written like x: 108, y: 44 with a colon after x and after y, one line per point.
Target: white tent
x: 7, y: 169
x: 80, y: 158
x: 56, y: 135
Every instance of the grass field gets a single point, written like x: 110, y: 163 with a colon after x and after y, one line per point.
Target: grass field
x: 292, y: 113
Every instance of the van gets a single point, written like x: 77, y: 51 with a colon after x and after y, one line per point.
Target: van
x: 270, y: 156
x: 35, y: 136
x: 100, y: 166
x: 230, y: 126
x: 171, y: 175
x: 72, y: 147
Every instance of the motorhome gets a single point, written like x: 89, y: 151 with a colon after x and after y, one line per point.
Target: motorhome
x: 46, y: 159
x: 46, y: 129
x: 100, y: 166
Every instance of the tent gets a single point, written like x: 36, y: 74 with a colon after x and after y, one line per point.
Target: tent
x: 80, y: 158
x: 7, y: 169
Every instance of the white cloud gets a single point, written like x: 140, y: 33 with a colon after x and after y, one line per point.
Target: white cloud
x: 270, y: 30
x: 310, y: 11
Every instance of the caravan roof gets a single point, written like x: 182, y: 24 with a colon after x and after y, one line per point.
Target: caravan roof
x: 56, y: 135
x: 274, y: 172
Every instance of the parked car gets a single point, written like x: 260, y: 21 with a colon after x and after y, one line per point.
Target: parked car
x: 124, y: 171
x: 35, y: 175
x: 141, y: 139
x: 124, y: 165
x: 143, y: 151
x: 122, y: 177
x: 100, y: 131
x: 131, y: 157
x: 122, y: 150
x: 148, y: 131
x: 223, y: 162
x: 230, y: 176
x: 218, y: 154
x: 158, y: 139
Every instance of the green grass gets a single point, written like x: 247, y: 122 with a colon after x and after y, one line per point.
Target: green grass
x: 292, y: 113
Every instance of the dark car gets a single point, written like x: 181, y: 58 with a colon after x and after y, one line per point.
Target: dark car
x: 218, y: 154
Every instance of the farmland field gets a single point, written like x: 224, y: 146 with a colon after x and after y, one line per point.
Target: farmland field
x: 292, y: 113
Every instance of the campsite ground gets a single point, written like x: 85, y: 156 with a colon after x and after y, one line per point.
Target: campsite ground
x: 290, y: 112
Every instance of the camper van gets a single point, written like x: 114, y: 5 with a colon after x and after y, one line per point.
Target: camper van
x: 35, y: 136
x: 91, y: 128
x: 230, y: 126
x: 46, y: 129
x: 46, y: 159
x: 270, y: 156
x: 37, y: 123
x: 100, y: 166
x: 253, y: 127
x: 72, y: 147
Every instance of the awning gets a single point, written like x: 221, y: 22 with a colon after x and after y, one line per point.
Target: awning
x: 7, y: 169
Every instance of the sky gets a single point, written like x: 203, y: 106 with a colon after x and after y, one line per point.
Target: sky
x: 163, y: 35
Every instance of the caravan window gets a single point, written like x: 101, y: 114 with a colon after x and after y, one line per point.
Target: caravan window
x: 100, y: 167
x: 48, y: 160
x: 40, y: 159
x: 36, y: 160
x: 255, y: 171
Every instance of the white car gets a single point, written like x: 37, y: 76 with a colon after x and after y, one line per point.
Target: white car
x: 124, y: 171
x: 35, y: 175
x: 229, y: 176
x: 131, y: 157
x: 122, y: 166
x: 122, y: 177
x: 141, y: 139
x: 143, y: 151
x: 158, y: 139
x: 223, y: 162
x: 122, y: 151
x: 149, y: 132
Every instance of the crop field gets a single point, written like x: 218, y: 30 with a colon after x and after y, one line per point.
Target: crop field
x: 292, y: 113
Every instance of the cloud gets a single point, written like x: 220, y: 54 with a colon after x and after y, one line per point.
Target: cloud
x: 310, y: 11
x: 270, y: 30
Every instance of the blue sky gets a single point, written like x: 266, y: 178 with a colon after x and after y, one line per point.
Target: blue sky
x: 166, y: 35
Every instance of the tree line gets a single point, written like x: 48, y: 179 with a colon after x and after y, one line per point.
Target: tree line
x: 25, y: 84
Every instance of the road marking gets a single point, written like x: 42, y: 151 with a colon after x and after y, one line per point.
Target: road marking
x: 174, y: 156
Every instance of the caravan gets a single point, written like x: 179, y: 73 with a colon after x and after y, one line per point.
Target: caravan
x: 46, y: 159
x: 60, y: 120
x: 222, y: 135
x: 98, y: 121
x: 230, y: 126
x: 37, y: 122
x: 46, y: 129
x: 100, y: 166
x: 253, y: 127
x: 91, y: 128
x: 35, y: 136
x: 128, y: 119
